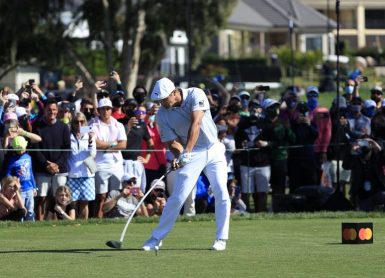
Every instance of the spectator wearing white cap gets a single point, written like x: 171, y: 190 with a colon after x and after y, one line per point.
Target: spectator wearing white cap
x: 157, y: 199
x: 121, y: 203
x: 110, y: 140
x: 281, y: 136
x: 369, y: 108
x: 245, y: 97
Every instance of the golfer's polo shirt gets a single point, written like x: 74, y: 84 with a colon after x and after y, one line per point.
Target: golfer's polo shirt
x: 174, y: 123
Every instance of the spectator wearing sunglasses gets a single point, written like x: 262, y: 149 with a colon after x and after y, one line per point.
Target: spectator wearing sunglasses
x: 376, y: 96
x: 110, y: 140
x: 137, y: 131
x: 122, y: 203
x: 157, y: 198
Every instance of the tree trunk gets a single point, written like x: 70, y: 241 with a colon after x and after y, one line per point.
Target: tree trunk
x: 133, y: 73
x: 89, y: 79
x: 108, y: 36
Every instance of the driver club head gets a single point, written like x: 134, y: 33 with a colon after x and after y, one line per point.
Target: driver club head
x: 114, y: 244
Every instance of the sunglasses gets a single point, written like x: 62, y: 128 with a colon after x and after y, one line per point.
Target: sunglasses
x: 140, y: 112
x: 130, y: 181
x: 158, y: 190
x: 79, y: 122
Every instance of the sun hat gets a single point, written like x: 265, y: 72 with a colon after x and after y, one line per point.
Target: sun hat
x: 162, y: 89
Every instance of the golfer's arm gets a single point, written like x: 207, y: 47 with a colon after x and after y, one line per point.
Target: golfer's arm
x: 193, y: 133
x: 175, y: 147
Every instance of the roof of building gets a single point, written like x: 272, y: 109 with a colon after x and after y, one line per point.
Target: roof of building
x: 268, y: 14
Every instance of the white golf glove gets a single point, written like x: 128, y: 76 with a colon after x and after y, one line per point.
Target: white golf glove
x: 184, y: 158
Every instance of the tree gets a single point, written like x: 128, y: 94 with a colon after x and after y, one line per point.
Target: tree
x: 144, y: 27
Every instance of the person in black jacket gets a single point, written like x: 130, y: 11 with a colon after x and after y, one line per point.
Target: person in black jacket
x: 254, y: 159
x: 50, y: 157
x: 367, y: 162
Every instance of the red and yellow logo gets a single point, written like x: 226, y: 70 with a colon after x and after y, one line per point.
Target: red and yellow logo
x: 351, y: 234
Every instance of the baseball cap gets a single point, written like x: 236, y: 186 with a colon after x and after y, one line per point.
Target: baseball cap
x: 236, y: 97
x: 10, y: 116
x: 67, y: 106
x: 312, y: 91
x: 160, y: 185
x: 376, y: 89
x: 162, y: 89
x: 244, y: 94
x: 118, y: 92
x: 341, y: 102
x: 369, y: 104
x: 222, y: 128
x: 269, y: 102
x: 20, y: 111
x: 19, y: 143
x: 13, y: 97
x: 104, y: 102
x: 128, y: 177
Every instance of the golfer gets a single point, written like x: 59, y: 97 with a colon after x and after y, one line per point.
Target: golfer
x: 187, y: 128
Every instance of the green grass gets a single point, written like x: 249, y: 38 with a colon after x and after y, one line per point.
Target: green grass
x: 265, y: 245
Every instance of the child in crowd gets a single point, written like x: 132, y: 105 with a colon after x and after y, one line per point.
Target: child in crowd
x: 11, y: 204
x: 62, y: 208
x: 20, y: 166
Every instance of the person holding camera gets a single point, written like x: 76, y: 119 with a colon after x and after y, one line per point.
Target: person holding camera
x: 254, y: 158
x: 366, y: 161
x: 157, y: 199
x: 137, y: 132
x: 121, y: 203
x: 302, y: 166
x: 81, y: 164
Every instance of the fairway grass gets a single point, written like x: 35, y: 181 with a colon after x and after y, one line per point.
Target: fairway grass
x: 267, y: 245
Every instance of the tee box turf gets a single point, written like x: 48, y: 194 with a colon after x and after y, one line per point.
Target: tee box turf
x: 357, y: 233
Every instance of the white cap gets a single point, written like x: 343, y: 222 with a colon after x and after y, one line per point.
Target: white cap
x: 127, y: 177
x: 162, y: 89
x: 20, y: 111
x: 369, y: 104
x: 12, y: 97
x: 104, y: 102
x: 268, y: 102
x: 160, y: 185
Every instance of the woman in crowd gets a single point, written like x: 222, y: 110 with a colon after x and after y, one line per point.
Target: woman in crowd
x: 81, y: 163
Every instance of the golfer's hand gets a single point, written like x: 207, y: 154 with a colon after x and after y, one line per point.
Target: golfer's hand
x: 184, y: 158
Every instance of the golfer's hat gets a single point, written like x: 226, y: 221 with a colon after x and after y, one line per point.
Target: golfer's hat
x: 162, y: 89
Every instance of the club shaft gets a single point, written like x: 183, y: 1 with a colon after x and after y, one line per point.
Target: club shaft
x: 140, y: 203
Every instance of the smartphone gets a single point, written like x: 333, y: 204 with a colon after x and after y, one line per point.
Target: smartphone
x: 85, y: 129
x: 364, y: 78
x: 134, y: 190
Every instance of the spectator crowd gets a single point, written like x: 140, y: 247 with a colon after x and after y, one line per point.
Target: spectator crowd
x: 96, y: 154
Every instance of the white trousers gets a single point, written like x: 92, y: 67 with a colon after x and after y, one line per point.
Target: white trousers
x: 213, y: 163
x: 189, y: 204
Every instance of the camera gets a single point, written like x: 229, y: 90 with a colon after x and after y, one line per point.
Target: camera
x: 361, y: 147
x: 31, y: 81
x: 302, y: 108
x: 262, y: 88
x: 134, y: 190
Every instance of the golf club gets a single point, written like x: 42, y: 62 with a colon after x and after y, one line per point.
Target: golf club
x: 118, y: 244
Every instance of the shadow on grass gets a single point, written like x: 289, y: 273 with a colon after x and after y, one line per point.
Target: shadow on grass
x: 94, y: 250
